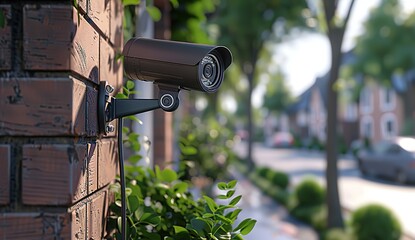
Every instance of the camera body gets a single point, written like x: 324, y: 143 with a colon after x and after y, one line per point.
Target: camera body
x: 176, y: 64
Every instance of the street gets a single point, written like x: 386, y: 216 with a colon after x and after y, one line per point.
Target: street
x: 355, y: 191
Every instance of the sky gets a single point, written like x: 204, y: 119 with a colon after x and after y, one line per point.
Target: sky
x: 307, y: 57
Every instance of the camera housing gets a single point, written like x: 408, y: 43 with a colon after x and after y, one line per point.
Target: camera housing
x: 176, y: 64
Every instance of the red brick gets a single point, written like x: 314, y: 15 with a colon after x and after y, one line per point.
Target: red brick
x: 108, y: 161
x: 5, y: 174
x: 92, y: 167
x: 99, y: 13
x: 22, y: 226
x: 116, y: 21
x: 97, y: 212
x: 92, y: 111
x: 56, y: 37
x: 110, y: 69
x: 6, y: 39
x: 82, y: 6
x: 42, y: 107
x: 54, y: 174
x: 79, y: 221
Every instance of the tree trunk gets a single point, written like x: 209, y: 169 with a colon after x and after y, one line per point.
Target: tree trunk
x: 335, y: 218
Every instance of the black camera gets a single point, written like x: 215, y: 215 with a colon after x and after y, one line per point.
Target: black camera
x: 176, y: 64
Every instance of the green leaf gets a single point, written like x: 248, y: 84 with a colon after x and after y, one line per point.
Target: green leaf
x: 211, y: 203
x: 168, y: 175
x: 133, y: 159
x: 130, y: 2
x: 234, y: 214
x: 222, y: 197
x: 235, y: 201
x: 222, y: 186
x: 188, y: 150
x: 200, y: 225
x: 230, y: 193
x: 154, y: 13
x: 181, y: 232
x: 174, y: 3
x: 135, y: 119
x: 232, y: 184
x: 223, y: 218
x: 130, y: 85
x: 208, y: 215
x: 133, y: 203
x: 246, y: 226
x: 181, y: 187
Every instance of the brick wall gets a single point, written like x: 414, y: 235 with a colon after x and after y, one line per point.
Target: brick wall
x: 54, y: 168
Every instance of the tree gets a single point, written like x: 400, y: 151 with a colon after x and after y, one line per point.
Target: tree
x: 277, y: 95
x: 335, y: 27
x: 387, y: 50
x: 244, y: 27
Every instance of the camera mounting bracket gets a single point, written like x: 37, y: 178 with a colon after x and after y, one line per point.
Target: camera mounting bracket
x: 110, y: 108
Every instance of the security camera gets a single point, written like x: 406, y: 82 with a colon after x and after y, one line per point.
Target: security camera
x: 176, y: 64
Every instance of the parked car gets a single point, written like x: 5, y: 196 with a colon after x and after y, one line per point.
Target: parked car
x: 282, y: 140
x: 394, y: 158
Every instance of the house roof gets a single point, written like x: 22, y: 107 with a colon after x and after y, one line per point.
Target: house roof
x: 321, y: 83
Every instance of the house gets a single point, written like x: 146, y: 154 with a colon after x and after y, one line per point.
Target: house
x: 308, y: 115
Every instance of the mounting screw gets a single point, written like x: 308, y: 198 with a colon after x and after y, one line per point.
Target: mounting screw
x: 109, y: 89
x: 109, y: 128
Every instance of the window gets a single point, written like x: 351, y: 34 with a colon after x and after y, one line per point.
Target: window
x: 366, y: 127
x: 389, y: 125
x: 366, y: 100
x: 387, y: 99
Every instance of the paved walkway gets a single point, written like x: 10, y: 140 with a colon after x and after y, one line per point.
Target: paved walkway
x: 273, y: 221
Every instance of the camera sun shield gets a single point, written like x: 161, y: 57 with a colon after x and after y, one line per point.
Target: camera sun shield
x: 184, y: 65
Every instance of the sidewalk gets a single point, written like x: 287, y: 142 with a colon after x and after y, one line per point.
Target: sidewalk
x: 273, y: 220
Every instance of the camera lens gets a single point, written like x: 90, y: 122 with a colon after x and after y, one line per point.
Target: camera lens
x: 210, y: 71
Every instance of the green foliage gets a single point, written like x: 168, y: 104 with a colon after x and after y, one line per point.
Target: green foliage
x: 279, y: 179
x: 205, y: 149
x: 375, y: 222
x: 337, y: 234
x: 263, y: 171
x: 189, y: 22
x: 160, y: 206
x: 309, y: 193
x: 387, y: 46
x: 277, y: 95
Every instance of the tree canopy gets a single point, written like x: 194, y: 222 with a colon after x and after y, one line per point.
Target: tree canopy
x: 387, y: 46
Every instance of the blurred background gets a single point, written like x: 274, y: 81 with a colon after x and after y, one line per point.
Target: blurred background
x: 314, y: 117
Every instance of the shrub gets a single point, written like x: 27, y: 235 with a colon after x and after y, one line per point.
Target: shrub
x: 279, y: 179
x: 337, y: 234
x: 309, y: 193
x: 160, y: 206
x: 374, y: 221
x: 263, y: 171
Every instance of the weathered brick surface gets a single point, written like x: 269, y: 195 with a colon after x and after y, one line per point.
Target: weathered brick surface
x: 92, y: 167
x: 71, y: 43
x: 116, y: 19
x: 6, y: 39
x: 79, y: 221
x: 22, y: 226
x: 97, y: 212
x: 54, y: 174
x: 92, y: 111
x: 99, y: 13
x: 110, y: 69
x: 4, y: 174
x: 107, y: 166
x: 43, y: 107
